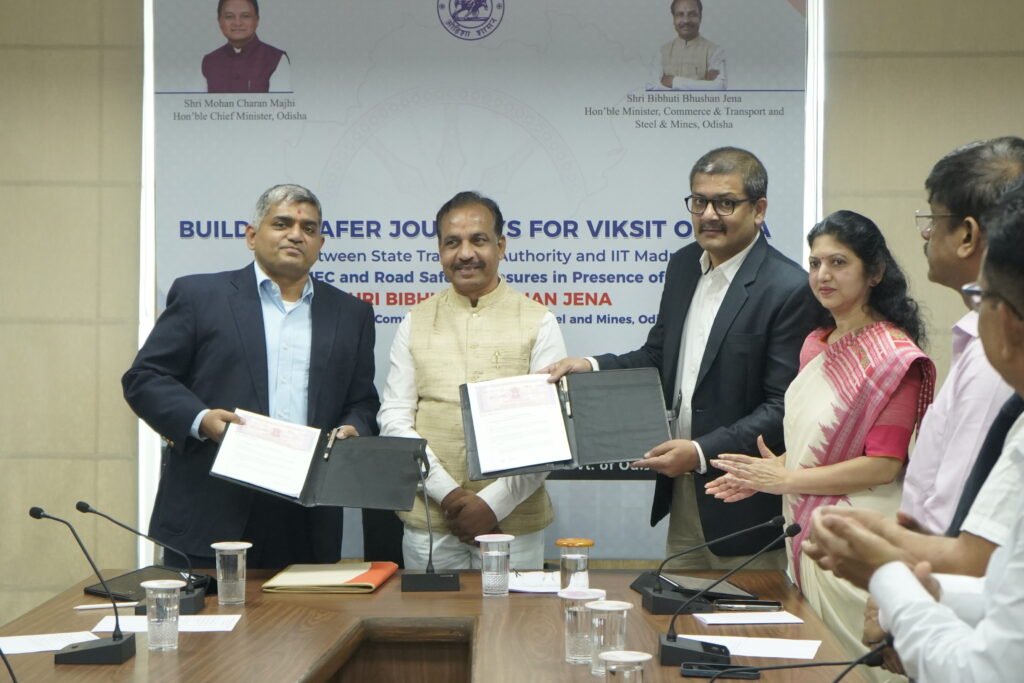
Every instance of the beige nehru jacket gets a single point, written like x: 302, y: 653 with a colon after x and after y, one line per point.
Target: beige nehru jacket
x: 452, y: 343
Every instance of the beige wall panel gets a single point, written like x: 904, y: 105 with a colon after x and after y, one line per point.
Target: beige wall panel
x: 118, y: 238
x: 887, y: 121
x: 43, y: 22
x: 122, y: 23
x: 121, y: 125
x: 43, y: 553
x: 50, y: 389
x: 117, y: 429
x: 941, y: 26
x: 116, y: 496
x: 55, y: 115
x: 68, y: 216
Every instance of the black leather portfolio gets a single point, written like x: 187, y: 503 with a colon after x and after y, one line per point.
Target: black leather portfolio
x: 609, y: 416
x: 377, y: 472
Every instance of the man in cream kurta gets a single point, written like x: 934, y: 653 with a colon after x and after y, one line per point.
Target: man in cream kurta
x: 690, y: 61
x: 476, y: 330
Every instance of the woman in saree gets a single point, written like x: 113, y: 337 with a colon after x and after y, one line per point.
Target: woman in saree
x: 862, y: 389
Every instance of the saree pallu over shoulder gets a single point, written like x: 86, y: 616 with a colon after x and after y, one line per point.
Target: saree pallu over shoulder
x: 862, y: 371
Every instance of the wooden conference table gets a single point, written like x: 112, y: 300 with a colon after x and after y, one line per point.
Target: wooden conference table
x: 395, y: 636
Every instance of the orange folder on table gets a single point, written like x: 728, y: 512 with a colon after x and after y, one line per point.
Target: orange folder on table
x: 344, y: 577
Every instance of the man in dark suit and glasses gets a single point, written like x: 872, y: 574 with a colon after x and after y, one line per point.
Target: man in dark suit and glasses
x: 734, y: 313
x: 269, y: 339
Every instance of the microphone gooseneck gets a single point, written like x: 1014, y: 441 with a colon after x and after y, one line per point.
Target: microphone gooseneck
x: 85, y: 508
x: 790, y: 531
x: 37, y: 512
x: 117, y: 649
x: 777, y: 520
x: 870, y: 658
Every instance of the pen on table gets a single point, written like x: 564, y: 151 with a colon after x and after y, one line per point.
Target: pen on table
x: 106, y: 605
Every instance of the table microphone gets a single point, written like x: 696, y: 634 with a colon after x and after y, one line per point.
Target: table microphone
x: 650, y: 584
x: 193, y: 597
x: 871, y: 658
x: 117, y: 649
x: 429, y: 580
x: 675, y: 650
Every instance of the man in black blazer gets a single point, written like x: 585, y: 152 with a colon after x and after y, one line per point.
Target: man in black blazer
x: 734, y: 314
x: 269, y: 339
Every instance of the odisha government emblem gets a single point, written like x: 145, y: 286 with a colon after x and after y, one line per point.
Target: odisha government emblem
x: 471, y: 19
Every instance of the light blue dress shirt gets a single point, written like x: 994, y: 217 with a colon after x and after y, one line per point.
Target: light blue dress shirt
x: 288, y: 326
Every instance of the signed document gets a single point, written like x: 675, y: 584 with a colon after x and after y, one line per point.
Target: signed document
x: 518, y: 422
x: 312, y: 467
x: 268, y: 453
x: 518, y: 425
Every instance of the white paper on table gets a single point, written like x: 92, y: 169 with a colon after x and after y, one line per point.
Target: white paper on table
x: 535, y: 582
x: 190, y: 623
x: 518, y: 422
x: 748, y: 618
x: 272, y: 454
x: 44, y: 642
x: 763, y: 647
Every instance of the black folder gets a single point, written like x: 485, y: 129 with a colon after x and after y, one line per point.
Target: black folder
x: 127, y: 587
x: 609, y: 416
x: 377, y: 472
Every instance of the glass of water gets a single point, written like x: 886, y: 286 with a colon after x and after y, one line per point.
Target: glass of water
x: 608, y: 630
x: 575, y: 561
x: 494, y: 553
x: 163, y: 598
x: 577, y: 622
x: 624, y: 665
x: 231, y: 571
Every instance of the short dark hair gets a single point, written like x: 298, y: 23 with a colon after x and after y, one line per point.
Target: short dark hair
x: 672, y: 6
x: 255, y: 6
x: 1004, y: 258
x: 971, y: 178
x: 889, y: 298
x: 735, y: 160
x: 467, y: 198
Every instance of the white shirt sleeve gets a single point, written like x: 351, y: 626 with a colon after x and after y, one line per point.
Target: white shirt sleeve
x: 194, y: 431
x: 973, y: 634
x: 965, y: 595
x: 281, y: 79
x: 715, y: 63
x: 994, y: 510
x: 506, y: 493
x: 399, y: 402
x: 702, y: 462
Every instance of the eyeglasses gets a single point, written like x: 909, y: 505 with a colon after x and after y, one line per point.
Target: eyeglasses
x: 925, y: 222
x: 973, y: 294
x: 723, y: 207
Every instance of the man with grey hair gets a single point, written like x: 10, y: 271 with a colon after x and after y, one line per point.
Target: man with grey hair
x: 734, y: 313
x: 269, y: 339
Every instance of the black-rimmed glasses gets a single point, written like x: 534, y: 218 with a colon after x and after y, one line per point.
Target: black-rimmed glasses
x: 723, y: 207
x: 973, y: 294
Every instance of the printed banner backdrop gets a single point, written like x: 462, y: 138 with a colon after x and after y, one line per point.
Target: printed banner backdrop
x: 556, y: 110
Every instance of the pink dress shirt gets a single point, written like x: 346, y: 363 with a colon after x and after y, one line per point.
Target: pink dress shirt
x: 952, y: 430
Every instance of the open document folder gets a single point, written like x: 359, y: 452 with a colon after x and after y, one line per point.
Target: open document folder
x: 525, y: 424
x: 310, y: 467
